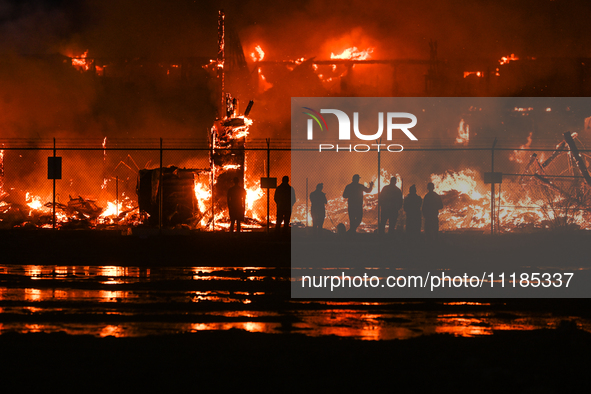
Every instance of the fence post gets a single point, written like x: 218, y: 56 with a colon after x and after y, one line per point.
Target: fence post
x: 268, y: 175
x: 53, y: 221
x: 211, y: 178
x: 379, y: 171
x: 117, y: 194
x: 492, y: 190
x: 160, y: 191
x: 306, y: 202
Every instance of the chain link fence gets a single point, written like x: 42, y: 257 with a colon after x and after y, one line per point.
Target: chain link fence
x: 100, y: 182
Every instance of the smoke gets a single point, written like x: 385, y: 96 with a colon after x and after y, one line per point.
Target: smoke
x: 61, y: 101
x: 42, y: 96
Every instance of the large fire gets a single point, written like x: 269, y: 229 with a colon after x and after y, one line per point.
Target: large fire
x: 521, y: 204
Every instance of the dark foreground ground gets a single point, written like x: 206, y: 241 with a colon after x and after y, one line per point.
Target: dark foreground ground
x: 148, y: 247
x: 542, y: 361
x: 539, y: 361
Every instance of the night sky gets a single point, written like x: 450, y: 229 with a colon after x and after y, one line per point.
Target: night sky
x: 306, y: 28
x: 41, y: 101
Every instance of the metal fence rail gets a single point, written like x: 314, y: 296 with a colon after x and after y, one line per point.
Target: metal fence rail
x: 105, y: 173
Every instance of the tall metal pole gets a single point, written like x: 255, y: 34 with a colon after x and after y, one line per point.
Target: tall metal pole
x: 268, y: 175
x: 221, y: 61
x: 117, y: 194
x: 212, y: 177
x: 492, y: 190
x: 222, y: 110
x: 499, y: 209
x: 53, y: 187
x: 379, y: 183
x: 306, y: 202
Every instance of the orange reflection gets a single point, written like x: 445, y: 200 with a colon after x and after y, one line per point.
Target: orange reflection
x: 462, y: 326
x: 115, y: 331
x: 246, y: 326
x: 34, y: 271
x: 112, y: 296
x: 32, y: 295
x: 33, y: 328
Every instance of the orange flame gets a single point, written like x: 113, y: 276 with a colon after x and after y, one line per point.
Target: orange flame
x: 264, y: 85
x: 80, y: 63
x: 463, y: 133
x: 477, y: 73
x: 507, y: 59
x: 258, y: 54
x: 353, y: 54
x: 519, y: 156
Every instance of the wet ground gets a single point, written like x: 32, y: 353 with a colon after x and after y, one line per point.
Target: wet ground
x: 139, y: 301
x: 105, y: 312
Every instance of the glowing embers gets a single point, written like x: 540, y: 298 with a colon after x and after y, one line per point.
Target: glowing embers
x: 81, y: 63
x: 478, y: 74
x: 124, y: 210
x: 507, y: 59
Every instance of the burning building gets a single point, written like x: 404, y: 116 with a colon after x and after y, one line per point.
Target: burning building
x: 341, y: 64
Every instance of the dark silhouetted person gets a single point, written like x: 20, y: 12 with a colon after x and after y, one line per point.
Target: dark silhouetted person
x: 354, y: 195
x: 390, y: 203
x: 285, y: 200
x: 431, y: 205
x: 236, y: 204
x: 318, y: 200
x: 412, y: 208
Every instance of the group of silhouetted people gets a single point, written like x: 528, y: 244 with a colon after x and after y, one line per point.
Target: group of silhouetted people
x: 390, y: 202
x: 429, y: 206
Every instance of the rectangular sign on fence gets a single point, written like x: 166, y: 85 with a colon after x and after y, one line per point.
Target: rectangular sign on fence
x: 54, y: 168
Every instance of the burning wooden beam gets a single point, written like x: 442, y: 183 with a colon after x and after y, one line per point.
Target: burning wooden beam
x: 554, y: 154
x: 528, y: 166
x: 577, y: 156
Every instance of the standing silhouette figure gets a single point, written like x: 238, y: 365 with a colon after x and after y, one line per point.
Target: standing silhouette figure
x: 390, y: 203
x: 318, y: 200
x: 431, y: 205
x: 236, y: 204
x: 412, y: 208
x: 354, y: 195
x: 285, y: 199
